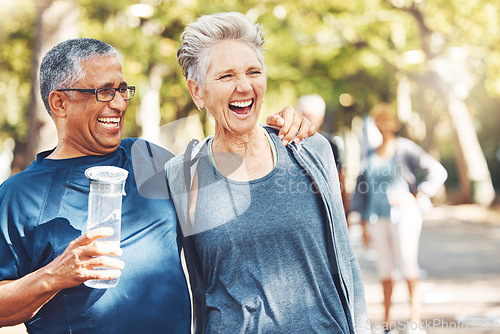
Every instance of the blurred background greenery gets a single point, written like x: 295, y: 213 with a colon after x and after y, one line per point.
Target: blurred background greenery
x: 437, y: 60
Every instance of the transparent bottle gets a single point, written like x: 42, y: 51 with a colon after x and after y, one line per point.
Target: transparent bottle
x: 107, y: 186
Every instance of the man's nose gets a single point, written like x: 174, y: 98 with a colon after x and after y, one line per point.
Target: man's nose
x: 118, y: 103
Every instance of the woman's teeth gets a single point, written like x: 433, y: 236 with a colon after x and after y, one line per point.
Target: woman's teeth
x: 241, y: 107
x: 242, y: 104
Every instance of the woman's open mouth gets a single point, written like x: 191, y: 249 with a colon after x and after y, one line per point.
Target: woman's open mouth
x: 241, y: 108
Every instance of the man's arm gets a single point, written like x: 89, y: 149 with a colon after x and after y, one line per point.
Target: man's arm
x: 22, y: 298
x: 293, y: 125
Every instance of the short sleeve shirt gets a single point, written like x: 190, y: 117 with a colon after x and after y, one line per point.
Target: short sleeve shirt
x: 45, y: 207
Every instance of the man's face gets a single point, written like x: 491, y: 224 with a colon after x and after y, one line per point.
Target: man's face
x: 92, y: 127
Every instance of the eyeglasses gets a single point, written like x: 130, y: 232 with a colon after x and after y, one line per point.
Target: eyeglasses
x: 106, y: 94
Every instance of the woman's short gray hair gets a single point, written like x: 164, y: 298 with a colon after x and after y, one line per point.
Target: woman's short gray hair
x: 61, y: 66
x: 201, y: 36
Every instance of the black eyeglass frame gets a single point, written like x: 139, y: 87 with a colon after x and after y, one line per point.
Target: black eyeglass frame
x: 97, y: 90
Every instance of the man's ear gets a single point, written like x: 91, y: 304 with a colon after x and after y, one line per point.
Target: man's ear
x: 57, y: 103
x: 196, y: 92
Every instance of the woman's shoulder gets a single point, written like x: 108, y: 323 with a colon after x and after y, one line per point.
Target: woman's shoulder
x: 317, y: 141
x: 408, y: 147
x: 194, y: 150
x: 407, y: 143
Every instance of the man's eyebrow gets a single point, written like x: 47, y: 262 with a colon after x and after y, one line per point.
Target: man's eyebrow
x: 106, y: 85
x: 110, y: 84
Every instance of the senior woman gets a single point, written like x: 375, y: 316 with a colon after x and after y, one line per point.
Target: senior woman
x: 253, y: 266
x: 398, y: 177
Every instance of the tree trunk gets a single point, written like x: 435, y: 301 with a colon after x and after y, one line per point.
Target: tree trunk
x: 149, y: 111
x: 57, y: 20
x: 474, y: 176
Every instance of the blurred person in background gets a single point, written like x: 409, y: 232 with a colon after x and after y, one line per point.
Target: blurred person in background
x: 263, y: 228
x: 45, y: 254
x: 313, y: 107
x: 396, y: 184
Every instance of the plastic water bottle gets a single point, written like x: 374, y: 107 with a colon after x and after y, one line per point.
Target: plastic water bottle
x: 107, y: 186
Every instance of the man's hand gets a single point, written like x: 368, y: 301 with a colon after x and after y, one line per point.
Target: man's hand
x: 23, y: 297
x: 76, y: 264
x: 293, y: 125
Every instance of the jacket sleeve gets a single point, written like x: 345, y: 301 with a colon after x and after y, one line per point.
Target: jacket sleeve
x: 428, y: 175
x: 361, y: 322
x: 358, y: 304
x: 321, y: 157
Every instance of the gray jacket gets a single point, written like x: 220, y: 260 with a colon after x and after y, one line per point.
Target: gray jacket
x: 314, y: 155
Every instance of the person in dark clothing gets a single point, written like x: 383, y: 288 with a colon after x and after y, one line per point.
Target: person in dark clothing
x: 313, y: 107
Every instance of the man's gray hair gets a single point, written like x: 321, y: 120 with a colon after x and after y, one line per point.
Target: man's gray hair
x: 200, y: 37
x: 61, y: 66
x: 311, y: 105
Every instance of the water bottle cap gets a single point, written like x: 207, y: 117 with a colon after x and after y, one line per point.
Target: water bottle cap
x: 107, y: 175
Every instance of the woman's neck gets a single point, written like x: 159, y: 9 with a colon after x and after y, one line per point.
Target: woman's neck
x: 388, y: 147
x: 244, y: 145
x: 243, y: 158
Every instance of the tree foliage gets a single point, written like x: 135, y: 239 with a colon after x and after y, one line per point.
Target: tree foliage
x: 16, y: 37
x: 313, y: 46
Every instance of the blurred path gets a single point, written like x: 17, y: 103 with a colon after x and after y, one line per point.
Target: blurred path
x: 460, y: 262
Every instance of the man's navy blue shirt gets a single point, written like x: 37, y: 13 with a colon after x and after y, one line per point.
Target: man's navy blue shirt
x: 44, y: 208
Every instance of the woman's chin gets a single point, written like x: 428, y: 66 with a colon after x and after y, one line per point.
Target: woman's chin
x: 242, y: 128
x: 243, y: 122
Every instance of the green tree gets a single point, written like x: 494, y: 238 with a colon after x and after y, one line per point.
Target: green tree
x: 16, y: 36
x: 371, y: 50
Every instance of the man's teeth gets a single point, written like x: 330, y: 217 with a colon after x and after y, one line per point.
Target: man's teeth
x: 110, y: 122
x: 242, y: 104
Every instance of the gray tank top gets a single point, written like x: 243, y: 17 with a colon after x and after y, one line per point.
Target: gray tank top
x: 263, y: 256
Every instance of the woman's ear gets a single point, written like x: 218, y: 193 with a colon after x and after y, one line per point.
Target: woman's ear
x: 196, y: 92
x: 57, y: 103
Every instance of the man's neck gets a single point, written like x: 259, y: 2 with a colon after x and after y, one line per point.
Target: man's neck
x: 69, y: 152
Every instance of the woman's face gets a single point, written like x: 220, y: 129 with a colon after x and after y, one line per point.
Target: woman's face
x: 387, y: 125
x: 234, y: 87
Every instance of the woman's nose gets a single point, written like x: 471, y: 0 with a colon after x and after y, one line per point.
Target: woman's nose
x: 243, y: 85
